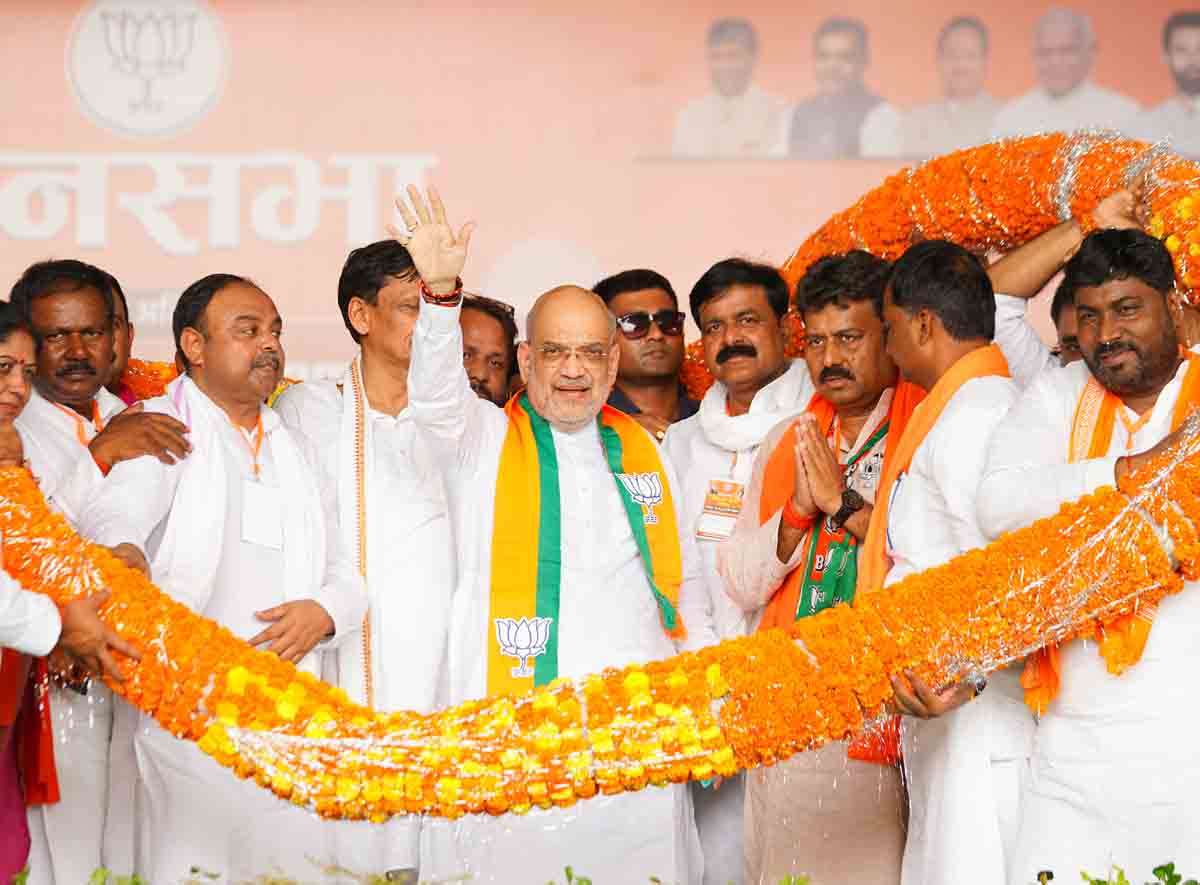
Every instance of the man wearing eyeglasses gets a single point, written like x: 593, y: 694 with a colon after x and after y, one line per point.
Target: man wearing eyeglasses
x: 573, y: 556
x: 650, y: 331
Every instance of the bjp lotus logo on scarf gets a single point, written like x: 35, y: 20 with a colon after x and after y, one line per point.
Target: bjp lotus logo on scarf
x: 523, y: 639
x: 645, y: 489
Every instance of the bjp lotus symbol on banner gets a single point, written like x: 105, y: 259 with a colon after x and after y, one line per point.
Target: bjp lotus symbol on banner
x: 645, y: 489
x: 146, y: 67
x: 524, y: 640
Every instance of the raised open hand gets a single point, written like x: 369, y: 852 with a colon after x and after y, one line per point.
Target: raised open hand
x: 438, y: 254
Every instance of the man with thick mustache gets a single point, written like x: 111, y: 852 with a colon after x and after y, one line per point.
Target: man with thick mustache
x: 1114, y: 769
x: 236, y: 531
x: 571, y: 557
x: 73, y: 429
x: 738, y: 306
x: 834, y: 814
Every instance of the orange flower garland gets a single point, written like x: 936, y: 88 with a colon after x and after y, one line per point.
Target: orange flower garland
x: 999, y: 196
x: 745, y: 702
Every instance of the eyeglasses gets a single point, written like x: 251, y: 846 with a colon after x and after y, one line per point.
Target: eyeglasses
x: 637, y: 325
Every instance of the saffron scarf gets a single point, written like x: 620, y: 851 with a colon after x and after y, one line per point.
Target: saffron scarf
x: 873, y: 561
x: 881, y: 746
x: 1122, y: 641
x: 527, y: 540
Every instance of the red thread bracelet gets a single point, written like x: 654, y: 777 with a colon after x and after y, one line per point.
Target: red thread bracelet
x: 449, y: 299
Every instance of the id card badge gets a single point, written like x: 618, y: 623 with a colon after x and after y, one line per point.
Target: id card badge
x: 722, y: 505
x: 262, y: 515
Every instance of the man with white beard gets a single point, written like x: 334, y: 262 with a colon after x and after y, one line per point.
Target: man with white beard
x: 550, y: 535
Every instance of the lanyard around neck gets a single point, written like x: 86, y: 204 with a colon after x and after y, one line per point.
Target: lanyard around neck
x: 80, y: 428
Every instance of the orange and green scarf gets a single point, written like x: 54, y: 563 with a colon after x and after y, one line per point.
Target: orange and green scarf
x: 1122, y: 641
x: 527, y: 540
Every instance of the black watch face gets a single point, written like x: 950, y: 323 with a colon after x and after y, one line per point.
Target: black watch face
x: 853, y: 500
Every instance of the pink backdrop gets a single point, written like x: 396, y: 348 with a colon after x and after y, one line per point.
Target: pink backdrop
x: 548, y: 124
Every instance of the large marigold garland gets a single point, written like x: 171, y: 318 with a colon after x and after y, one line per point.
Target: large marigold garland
x: 999, y: 196
x: 745, y: 702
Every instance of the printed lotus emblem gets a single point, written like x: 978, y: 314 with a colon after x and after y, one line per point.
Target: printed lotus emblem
x: 523, y: 639
x: 645, y: 489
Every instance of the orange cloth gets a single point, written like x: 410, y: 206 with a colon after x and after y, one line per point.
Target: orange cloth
x: 779, y: 478
x: 1122, y: 641
x: 873, y: 562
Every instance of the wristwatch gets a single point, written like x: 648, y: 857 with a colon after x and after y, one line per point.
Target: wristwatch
x: 852, y: 502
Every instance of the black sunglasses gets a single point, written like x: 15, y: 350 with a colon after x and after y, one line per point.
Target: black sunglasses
x: 637, y: 325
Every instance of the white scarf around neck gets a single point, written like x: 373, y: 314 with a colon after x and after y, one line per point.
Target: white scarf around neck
x: 786, y: 396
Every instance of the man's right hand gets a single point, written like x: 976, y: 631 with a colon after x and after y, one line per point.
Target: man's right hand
x: 1121, y: 210
x: 134, y: 433
x: 88, y: 641
x: 437, y: 253
x: 802, y: 496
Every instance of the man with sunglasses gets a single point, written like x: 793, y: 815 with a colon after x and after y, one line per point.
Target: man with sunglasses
x: 651, y: 336
x: 739, y: 307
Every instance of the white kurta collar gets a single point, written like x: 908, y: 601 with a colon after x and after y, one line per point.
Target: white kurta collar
x: 784, y: 397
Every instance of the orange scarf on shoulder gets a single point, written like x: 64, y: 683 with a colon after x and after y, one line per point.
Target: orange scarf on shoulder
x: 779, y: 478
x: 873, y: 561
x: 1122, y: 641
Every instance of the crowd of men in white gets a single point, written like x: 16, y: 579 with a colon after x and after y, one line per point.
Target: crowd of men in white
x: 847, y: 119
x: 253, y: 516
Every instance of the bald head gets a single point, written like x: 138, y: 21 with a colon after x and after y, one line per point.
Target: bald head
x: 575, y: 304
x: 569, y: 358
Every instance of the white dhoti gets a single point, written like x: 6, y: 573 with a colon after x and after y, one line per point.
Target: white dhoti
x: 965, y: 774
x: 66, y: 836
x: 226, y: 827
x: 626, y: 838
x: 821, y: 815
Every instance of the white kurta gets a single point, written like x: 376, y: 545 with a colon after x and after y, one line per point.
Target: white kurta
x: 29, y: 622
x: 1177, y: 120
x: 819, y: 814
x: 68, y: 836
x: 715, y: 445
x: 607, y: 618
x: 940, y: 127
x: 410, y: 574
x: 1114, y: 769
x: 1086, y: 107
x: 213, y: 551
x: 1026, y: 352
x: 715, y: 126
x: 965, y: 769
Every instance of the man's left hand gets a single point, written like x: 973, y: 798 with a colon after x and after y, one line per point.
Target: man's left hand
x: 296, y: 628
x: 825, y: 477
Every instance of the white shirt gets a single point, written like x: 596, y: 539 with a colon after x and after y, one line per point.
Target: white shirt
x: 940, y: 127
x: 1027, y: 355
x: 410, y: 544
x: 1177, y: 119
x: 29, y: 622
x: 747, y: 125
x: 63, y: 465
x: 607, y: 618
x: 1087, y: 106
x: 748, y: 563
x: 880, y: 135
x: 957, y: 830
x: 1147, y: 714
x: 700, y: 459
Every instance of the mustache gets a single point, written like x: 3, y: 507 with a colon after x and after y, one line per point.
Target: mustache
x: 266, y: 359
x: 73, y: 367
x: 1114, y: 347
x: 832, y: 373
x: 727, y: 353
